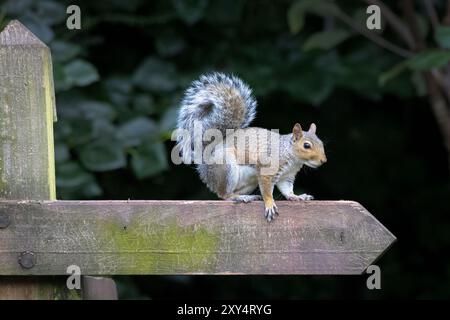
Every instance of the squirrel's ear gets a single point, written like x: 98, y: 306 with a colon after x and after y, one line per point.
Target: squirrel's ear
x: 297, y: 132
x: 312, y: 128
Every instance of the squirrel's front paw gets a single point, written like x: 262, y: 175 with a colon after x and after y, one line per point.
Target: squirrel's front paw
x: 302, y: 197
x: 270, y: 212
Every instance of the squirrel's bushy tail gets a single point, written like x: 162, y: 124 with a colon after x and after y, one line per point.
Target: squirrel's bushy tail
x: 217, y: 101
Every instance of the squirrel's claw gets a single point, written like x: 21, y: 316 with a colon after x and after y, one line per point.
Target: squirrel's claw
x: 270, y: 212
x: 302, y: 197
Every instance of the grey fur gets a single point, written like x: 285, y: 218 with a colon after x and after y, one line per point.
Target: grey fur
x: 219, y: 101
x: 207, y: 101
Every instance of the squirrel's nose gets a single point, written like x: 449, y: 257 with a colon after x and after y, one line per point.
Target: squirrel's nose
x: 323, y: 160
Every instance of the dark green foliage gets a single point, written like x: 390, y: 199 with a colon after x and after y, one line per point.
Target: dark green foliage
x: 119, y: 80
x: 442, y: 36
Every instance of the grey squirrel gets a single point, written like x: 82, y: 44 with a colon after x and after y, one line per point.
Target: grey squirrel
x: 218, y: 102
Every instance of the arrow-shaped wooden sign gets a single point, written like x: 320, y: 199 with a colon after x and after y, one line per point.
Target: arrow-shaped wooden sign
x: 188, y: 237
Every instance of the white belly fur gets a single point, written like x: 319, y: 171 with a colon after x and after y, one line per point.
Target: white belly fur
x: 248, y: 179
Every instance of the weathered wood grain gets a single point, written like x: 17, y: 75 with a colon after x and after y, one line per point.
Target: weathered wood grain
x: 190, y: 237
x: 27, y: 111
x: 27, y: 103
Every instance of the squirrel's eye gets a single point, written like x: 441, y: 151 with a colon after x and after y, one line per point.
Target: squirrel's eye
x: 307, y: 145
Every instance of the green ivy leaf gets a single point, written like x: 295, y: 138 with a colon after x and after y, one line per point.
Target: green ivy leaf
x: 156, y: 75
x: 429, y: 59
x: 64, y: 51
x: 190, y: 11
x: 103, y: 128
x: 103, y: 155
x: 81, y: 132
x: 71, y: 175
x: 442, y: 36
x: 326, y: 40
x: 144, y: 103
x: 149, y: 159
x: 90, y: 190
x: 118, y: 89
x: 133, y: 132
x: 74, y: 182
x: 296, y: 17
x: 81, y: 73
x: 97, y: 110
x: 120, y: 84
x: 61, y: 80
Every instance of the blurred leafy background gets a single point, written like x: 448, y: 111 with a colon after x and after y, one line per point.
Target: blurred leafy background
x: 379, y: 98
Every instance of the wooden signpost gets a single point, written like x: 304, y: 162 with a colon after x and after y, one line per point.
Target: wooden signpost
x: 190, y: 237
x: 40, y: 236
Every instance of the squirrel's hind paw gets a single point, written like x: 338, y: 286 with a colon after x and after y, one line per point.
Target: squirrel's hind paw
x: 246, y: 198
x: 302, y: 197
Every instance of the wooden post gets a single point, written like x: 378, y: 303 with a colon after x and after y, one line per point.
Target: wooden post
x: 27, y: 170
